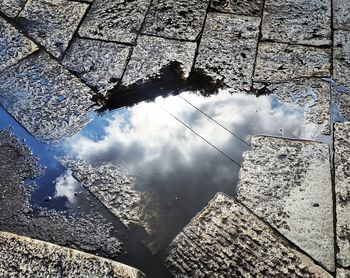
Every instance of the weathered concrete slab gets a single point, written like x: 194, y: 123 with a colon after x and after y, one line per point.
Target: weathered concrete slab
x: 280, y: 62
x: 151, y: 54
x: 25, y: 257
x: 45, y: 98
x: 241, y: 7
x: 288, y: 184
x: 99, y: 64
x: 117, y: 21
x: 297, y: 21
x: 341, y: 16
x: 176, y: 19
x: 342, y: 189
x: 13, y: 45
x: 313, y: 95
x: 52, y: 23
x: 227, y: 49
x: 226, y: 240
x: 11, y: 8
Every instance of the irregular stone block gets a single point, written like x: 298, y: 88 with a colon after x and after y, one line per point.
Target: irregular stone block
x: 226, y: 240
x: 342, y: 190
x: 288, y: 184
x: 297, y: 21
x: 11, y: 8
x: 176, y: 19
x: 241, y: 7
x: 14, y: 45
x: 25, y: 257
x: 99, y: 64
x: 151, y: 54
x: 341, y: 16
x: 343, y: 273
x: 117, y: 21
x: 45, y: 98
x: 52, y: 23
x: 227, y: 50
x: 280, y: 62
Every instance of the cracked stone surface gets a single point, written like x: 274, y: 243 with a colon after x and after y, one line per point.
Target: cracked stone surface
x: 115, y: 20
x: 45, y: 98
x: 227, y: 50
x: 281, y: 62
x: 313, y: 95
x: 242, y: 7
x: 176, y: 19
x: 99, y: 64
x: 341, y: 16
x: 226, y: 240
x: 13, y: 45
x: 25, y: 257
x: 11, y: 8
x: 297, y: 21
x: 288, y: 184
x: 342, y: 189
x: 52, y: 23
x: 151, y: 54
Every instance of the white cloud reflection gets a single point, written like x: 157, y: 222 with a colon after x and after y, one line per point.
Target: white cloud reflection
x: 66, y: 186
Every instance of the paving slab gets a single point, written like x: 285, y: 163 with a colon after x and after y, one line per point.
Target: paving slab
x: 11, y: 8
x: 341, y: 16
x: 288, y: 184
x: 45, y: 98
x: 52, y: 23
x: 25, y: 257
x: 115, y: 20
x: 152, y: 54
x: 297, y: 22
x: 227, y: 50
x: 342, y: 190
x: 343, y: 273
x: 99, y: 64
x: 176, y: 19
x: 226, y: 240
x: 281, y: 62
x: 241, y: 7
x: 14, y: 46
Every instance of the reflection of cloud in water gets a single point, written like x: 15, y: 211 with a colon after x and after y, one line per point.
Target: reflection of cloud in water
x: 66, y: 186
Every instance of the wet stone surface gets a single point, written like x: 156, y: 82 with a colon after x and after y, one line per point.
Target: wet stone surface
x: 52, y: 23
x: 25, y: 257
x: 297, y: 21
x: 117, y: 21
x: 281, y: 62
x: 276, y: 174
x: 227, y: 50
x: 99, y: 64
x: 151, y: 54
x: 11, y: 8
x: 242, y: 7
x: 176, y: 19
x: 342, y: 189
x: 341, y: 16
x: 13, y: 45
x: 226, y: 240
x: 45, y: 98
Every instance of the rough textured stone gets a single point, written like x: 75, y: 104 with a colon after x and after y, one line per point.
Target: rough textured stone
x: 11, y: 8
x: 151, y: 54
x: 118, y: 21
x: 342, y: 189
x: 13, y: 45
x: 226, y: 240
x: 52, y: 23
x: 176, y: 19
x: 45, y: 98
x: 227, y: 49
x: 313, y: 95
x: 25, y: 257
x: 297, y: 21
x: 279, y: 62
x: 343, y: 273
x: 98, y: 64
x: 288, y: 184
x: 341, y: 16
x: 242, y: 7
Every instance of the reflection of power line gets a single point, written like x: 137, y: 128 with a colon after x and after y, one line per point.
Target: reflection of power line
x: 200, y: 136
x: 205, y: 114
